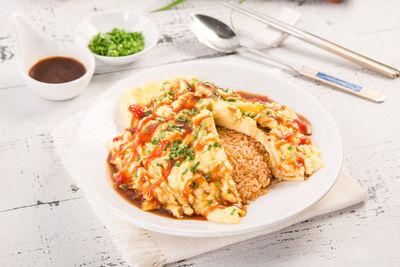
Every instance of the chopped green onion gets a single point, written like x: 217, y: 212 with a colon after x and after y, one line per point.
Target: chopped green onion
x: 185, y: 171
x: 194, y: 167
x: 233, y: 211
x: 210, y: 202
x: 162, y: 135
x: 117, y: 43
x: 290, y: 147
x: 181, y: 118
x: 166, y: 146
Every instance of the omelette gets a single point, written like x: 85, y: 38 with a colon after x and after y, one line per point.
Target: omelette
x: 170, y: 153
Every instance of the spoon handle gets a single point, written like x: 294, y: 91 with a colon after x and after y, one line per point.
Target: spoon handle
x: 318, y: 41
x: 349, y: 87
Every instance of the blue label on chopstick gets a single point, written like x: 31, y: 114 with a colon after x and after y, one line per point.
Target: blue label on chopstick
x: 348, y: 85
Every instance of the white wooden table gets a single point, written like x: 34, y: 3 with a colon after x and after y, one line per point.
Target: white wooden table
x: 45, y: 219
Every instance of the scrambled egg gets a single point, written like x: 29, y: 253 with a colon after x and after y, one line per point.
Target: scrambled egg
x: 292, y: 155
x: 170, y: 152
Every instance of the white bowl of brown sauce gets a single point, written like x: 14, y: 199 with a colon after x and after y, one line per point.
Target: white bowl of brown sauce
x: 52, y: 70
x: 117, y: 25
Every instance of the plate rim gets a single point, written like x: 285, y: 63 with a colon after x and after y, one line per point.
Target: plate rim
x: 203, y: 233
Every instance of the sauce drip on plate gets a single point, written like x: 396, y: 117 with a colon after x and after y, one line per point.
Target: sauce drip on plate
x: 134, y: 197
x: 254, y: 97
x: 57, y: 70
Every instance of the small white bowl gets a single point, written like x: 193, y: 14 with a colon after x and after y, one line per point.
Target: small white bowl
x: 67, y: 90
x: 129, y: 22
x: 33, y: 46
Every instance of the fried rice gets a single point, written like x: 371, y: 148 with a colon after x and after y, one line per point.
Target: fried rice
x: 249, y: 160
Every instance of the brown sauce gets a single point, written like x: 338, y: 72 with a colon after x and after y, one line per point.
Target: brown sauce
x: 57, y: 70
x: 135, y: 198
x: 254, y: 97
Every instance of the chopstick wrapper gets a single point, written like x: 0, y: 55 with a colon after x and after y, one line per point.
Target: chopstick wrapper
x: 140, y: 247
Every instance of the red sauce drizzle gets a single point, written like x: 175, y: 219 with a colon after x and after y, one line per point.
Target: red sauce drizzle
x: 117, y: 138
x: 303, y: 127
x: 137, y: 110
x: 300, y: 162
x: 156, y: 153
x: 167, y: 171
x: 121, y: 178
x: 305, y: 141
x: 199, y: 146
x: 150, y: 191
x: 288, y: 137
x: 189, y: 104
x: 146, y: 135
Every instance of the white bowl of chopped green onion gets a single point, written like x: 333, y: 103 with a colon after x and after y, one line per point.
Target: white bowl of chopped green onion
x: 117, y: 38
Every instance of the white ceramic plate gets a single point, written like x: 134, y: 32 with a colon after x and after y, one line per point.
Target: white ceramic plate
x: 100, y: 124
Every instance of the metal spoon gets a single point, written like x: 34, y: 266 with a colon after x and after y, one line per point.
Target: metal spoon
x: 220, y: 37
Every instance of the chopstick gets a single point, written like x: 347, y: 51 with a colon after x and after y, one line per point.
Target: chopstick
x: 318, y: 41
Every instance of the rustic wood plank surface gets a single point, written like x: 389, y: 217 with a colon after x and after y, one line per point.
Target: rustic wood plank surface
x: 45, y: 219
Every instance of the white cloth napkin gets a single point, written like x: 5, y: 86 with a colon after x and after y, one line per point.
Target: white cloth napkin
x: 256, y: 35
x: 145, y: 248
